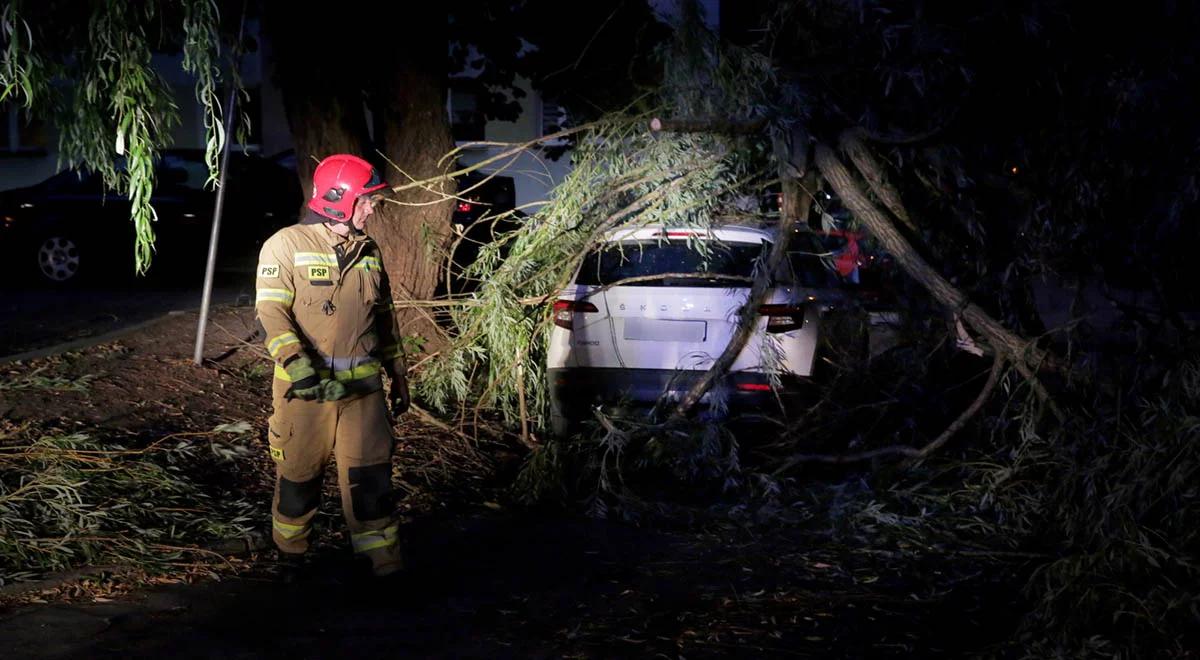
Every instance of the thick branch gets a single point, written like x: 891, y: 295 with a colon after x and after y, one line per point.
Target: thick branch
x: 1021, y: 352
x: 860, y: 154
x: 1015, y: 348
x: 724, y: 126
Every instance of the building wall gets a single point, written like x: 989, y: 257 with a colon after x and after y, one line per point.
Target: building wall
x: 534, y: 175
x: 26, y: 147
x: 276, y: 135
x: 27, y: 167
x: 668, y: 11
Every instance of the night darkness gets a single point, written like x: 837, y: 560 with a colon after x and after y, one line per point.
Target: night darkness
x: 681, y: 328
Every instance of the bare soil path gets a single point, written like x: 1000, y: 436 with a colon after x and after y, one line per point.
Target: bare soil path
x: 486, y: 579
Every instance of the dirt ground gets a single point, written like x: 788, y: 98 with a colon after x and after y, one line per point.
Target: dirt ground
x: 485, y: 578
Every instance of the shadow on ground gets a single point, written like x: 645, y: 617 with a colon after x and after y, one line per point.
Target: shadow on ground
x: 478, y: 587
x: 494, y: 585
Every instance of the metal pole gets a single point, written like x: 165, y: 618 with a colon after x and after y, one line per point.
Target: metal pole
x: 206, y: 298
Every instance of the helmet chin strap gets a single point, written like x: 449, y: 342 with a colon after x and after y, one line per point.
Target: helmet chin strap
x: 331, y: 224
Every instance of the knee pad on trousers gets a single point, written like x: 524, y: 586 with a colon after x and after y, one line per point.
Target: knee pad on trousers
x: 297, y: 498
x: 369, y: 487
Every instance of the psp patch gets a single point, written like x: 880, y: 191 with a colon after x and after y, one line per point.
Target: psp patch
x: 320, y: 275
x: 277, y: 453
x: 268, y: 270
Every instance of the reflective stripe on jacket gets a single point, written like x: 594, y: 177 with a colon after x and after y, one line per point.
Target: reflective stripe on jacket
x: 327, y: 296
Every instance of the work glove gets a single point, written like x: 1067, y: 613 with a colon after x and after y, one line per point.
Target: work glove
x: 325, y: 390
x: 307, y: 386
x: 300, y: 371
x: 398, y: 393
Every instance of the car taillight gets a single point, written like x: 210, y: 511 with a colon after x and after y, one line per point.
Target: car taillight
x: 564, y: 311
x: 752, y: 387
x: 464, y: 207
x: 783, y: 318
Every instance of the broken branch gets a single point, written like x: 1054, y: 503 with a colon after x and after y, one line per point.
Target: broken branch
x: 794, y: 213
x: 1020, y: 351
x: 915, y: 454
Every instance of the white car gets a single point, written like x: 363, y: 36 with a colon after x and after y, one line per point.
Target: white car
x: 617, y: 338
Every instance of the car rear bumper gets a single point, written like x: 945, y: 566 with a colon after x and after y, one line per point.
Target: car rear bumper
x: 574, y: 390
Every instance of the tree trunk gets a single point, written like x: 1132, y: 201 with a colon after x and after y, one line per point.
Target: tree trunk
x: 852, y: 144
x: 414, y: 230
x: 324, y: 103
x: 326, y: 92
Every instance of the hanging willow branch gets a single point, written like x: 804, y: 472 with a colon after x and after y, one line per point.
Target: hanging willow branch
x: 24, y: 73
x: 201, y: 48
x: 795, y: 214
x: 611, y: 185
x: 140, y: 103
x: 121, y: 106
x: 117, y: 113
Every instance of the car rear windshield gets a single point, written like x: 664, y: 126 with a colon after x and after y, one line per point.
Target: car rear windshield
x: 633, y: 259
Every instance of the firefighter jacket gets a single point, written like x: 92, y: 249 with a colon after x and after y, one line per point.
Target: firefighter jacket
x: 328, y: 297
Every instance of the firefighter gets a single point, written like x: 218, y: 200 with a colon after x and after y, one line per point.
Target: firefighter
x: 324, y: 300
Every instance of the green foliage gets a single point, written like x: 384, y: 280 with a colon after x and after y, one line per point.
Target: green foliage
x: 70, y: 500
x: 1113, y: 497
x: 623, y: 176
x: 1098, y: 519
x: 201, y: 49
x: 121, y: 101
x: 114, y: 111
x: 24, y: 73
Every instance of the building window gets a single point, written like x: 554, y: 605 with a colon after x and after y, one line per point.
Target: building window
x: 22, y: 133
x: 466, y: 116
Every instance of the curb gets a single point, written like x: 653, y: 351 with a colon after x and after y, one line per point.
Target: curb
x: 88, y: 342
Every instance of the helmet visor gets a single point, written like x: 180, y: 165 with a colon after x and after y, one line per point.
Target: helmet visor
x: 374, y: 183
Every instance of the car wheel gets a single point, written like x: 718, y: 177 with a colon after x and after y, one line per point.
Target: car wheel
x: 59, y: 259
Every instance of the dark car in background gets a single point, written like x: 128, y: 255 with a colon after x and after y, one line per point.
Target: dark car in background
x: 70, y: 229
x: 485, y: 210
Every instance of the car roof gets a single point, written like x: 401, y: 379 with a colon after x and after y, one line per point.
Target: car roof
x: 725, y: 233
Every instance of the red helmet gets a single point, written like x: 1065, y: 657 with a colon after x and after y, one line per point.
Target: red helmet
x: 338, y: 181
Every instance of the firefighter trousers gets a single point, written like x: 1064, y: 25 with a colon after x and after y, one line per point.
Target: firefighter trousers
x: 357, y: 432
